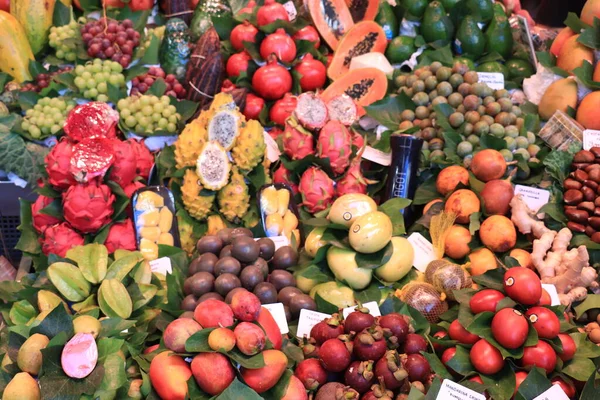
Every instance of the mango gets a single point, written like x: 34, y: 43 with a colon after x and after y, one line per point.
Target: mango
x: 269, y: 201
x: 400, y: 263
x: 560, y: 39
x: 560, y: 95
x: 590, y: 10
x: 148, y: 249
x: 267, y: 322
x: 295, y: 390
x: 29, y: 358
x: 572, y: 54
x: 150, y: 232
x: 148, y: 200
x: 169, y: 374
x: 274, y: 224
x: 263, y: 379
x: 290, y: 221
x: 87, y: 324
x: 283, y: 201
x: 178, y: 332
x: 587, y: 112
x: 481, y: 260
x: 22, y: 387
x: 165, y: 222
x: 150, y: 218
x: 166, y: 238
x: 213, y: 372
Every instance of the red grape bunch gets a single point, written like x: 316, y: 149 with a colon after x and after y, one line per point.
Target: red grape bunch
x: 42, y: 81
x: 110, y: 39
x: 141, y: 83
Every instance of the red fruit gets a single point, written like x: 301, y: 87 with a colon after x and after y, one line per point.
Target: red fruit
x: 477, y: 379
x: 545, y: 300
x: 447, y: 355
x: 91, y: 158
x: 520, y: 376
x: 567, y: 387
x: 254, y: 106
x: 544, y: 321
x: 486, y: 358
x: 267, y: 322
x: 237, y: 63
x: 60, y: 238
x: 42, y: 221
x: 334, y: 355
x: 568, y: 347
x: 313, y: 73
x: 297, y: 143
x: 311, y: 373
x: 249, y: 9
x: 329, y: 328
x: 295, y: 390
x: 485, y: 300
x: 458, y: 332
x: 280, y: 44
x: 370, y: 344
x: 264, y: 378
x: 311, y: 111
x: 510, y: 328
x: 91, y: 120
x: 335, y: 144
x: 5, y: 5
x: 343, y: 108
x: 418, y: 368
x: 272, y: 81
x: 88, y: 206
x: 282, y: 175
x: 390, y: 368
x: 523, y: 285
x: 213, y: 314
x: 138, y: 5
x: 282, y: 109
x: 270, y: 12
x: 397, y: 324
x: 414, y: 344
x: 245, y: 32
x: 245, y: 306
x: 358, y: 320
x: 541, y: 355
x: 121, y: 236
x: 353, y: 180
x: 143, y: 156
x: 58, y: 162
x: 275, y: 132
x: 440, y: 335
x: 152, y: 348
x: 169, y: 374
x: 123, y: 169
x: 178, y: 332
x: 308, y: 33
x: 249, y: 338
x: 131, y: 188
x: 310, y: 348
x: 316, y: 189
x: 359, y: 376
x: 358, y: 140
x: 213, y: 372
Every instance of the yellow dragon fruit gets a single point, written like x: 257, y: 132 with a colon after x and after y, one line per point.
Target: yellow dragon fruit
x: 190, y: 143
x: 234, y: 198
x: 250, y: 146
x: 186, y: 234
x: 267, y: 167
x: 197, y: 205
x: 215, y: 224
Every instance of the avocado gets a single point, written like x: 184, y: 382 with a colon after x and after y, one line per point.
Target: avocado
x: 414, y: 9
x: 481, y: 10
x: 469, y: 41
x: 436, y: 26
x: 175, y: 48
x: 498, y: 34
x: 387, y: 20
x: 449, y: 4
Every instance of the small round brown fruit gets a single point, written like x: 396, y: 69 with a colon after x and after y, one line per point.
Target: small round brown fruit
x: 266, y: 293
x: 251, y: 276
x: 496, y: 196
x: 227, y: 265
x: 287, y: 294
x: 211, y: 295
x: 245, y: 249
x: 267, y: 248
x: 226, y: 283
x: 498, y: 233
x: 285, y: 257
x: 281, y: 278
x: 209, y: 244
x: 204, y: 263
x: 301, y: 302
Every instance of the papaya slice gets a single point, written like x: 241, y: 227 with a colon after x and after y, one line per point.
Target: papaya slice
x: 364, y: 85
x: 363, y: 10
x: 364, y: 37
x: 332, y: 19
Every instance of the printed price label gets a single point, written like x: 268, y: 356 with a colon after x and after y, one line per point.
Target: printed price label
x: 278, y: 313
x: 377, y: 156
x: 424, y: 253
x: 161, y: 266
x: 495, y: 80
x: 534, y: 198
x: 307, y: 320
x: 279, y: 241
x: 372, y: 306
x: 290, y: 8
x: 591, y: 138
x: 453, y: 391
x: 273, y: 152
x: 554, y: 393
x: 551, y: 289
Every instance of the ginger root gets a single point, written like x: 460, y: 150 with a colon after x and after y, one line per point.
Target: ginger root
x: 568, y: 270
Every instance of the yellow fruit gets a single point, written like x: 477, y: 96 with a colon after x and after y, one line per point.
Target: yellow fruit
x: 36, y: 18
x: 197, y: 204
x: 22, y: 387
x: 371, y: 232
x: 313, y: 241
x: 150, y: 233
x: 560, y: 95
x: 293, y: 237
x: 15, y: 48
x: 166, y: 238
x: 234, y: 199
x: 400, y: 263
x: 250, y: 146
x: 48, y: 301
x: 165, y: 222
x: 290, y: 221
x: 347, y: 208
x: 274, y: 225
x: 87, y: 324
x: 148, y: 200
x: 269, y: 200
x: 190, y: 143
x: 186, y: 234
x: 6, y: 361
x: 215, y: 224
x: 29, y: 358
x: 284, y: 201
x: 148, y: 249
x: 150, y: 218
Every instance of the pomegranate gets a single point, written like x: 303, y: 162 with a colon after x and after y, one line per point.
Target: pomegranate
x: 270, y: 12
x: 280, y: 44
x: 245, y: 32
x: 313, y: 72
x: 254, y: 106
x: 282, y: 109
x: 249, y: 9
x: 272, y: 81
x: 310, y: 34
x: 237, y: 64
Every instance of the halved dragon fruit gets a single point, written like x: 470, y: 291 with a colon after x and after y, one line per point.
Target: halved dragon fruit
x: 342, y: 108
x: 91, y: 158
x: 92, y: 120
x: 311, y: 111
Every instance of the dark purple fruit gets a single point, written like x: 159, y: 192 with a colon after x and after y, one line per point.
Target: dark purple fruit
x: 286, y: 294
x: 281, y: 278
x: 245, y: 249
x: 266, y: 293
x: 227, y: 265
x: 209, y: 244
x: 285, y: 257
x: 251, y: 276
x: 389, y: 367
x: 370, y: 344
x: 397, y: 324
x: 360, y: 376
x: 235, y: 232
x: 358, y: 320
x: 225, y: 235
x: 204, y: 263
x: 329, y: 328
x: 267, y: 248
x: 198, y: 284
x: 189, y: 303
x: 418, y: 368
x: 414, y: 344
x: 211, y: 295
x: 226, y: 283
x: 335, y: 391
x: 301, y: 302
x: 263, y: 265
x: 226, y: 251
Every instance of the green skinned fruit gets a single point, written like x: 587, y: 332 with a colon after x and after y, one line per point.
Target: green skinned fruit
x: 436, y: 26
x: 387, y: 20
x: 469, y: 41
x: 414, y: 9
x: 498, y: 35
x: 114, y: 300
x: 305, y: 284
x: 493, y: 66
x: 335, y: 293
x: 400, y: 263
x: 69, y: 281
x: 122, y: 267
x: 343, y: 265
x: 482, y: 10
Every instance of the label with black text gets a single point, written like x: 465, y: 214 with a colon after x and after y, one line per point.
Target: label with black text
x: 495, y: 80
x: 278, y: 241
x: 591, y: 138
x: 534, y: 198
x: 161, y: 266
x: 278, y: 313
x: 424, y: 253
x: 554, y: 393
x: 453, y: 391
x: 307, y: 320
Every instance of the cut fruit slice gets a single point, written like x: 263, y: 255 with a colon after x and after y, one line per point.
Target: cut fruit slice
x: 365, y: 86
x: 311, y: 111
x: 91, y: 158
x: 224, y: 127
x: 91, y: 120
x: 332, y: 19
x: 342, y: 108
x: 213, y: 166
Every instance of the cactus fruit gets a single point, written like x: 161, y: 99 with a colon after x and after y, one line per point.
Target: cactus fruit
x: 335, y: 143
x: 190, y: 143
x: 316, y: 189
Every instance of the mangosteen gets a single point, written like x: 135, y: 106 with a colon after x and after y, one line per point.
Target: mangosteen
x: 301, y: 302
x: 211, y: 295
x: 266, y: 293
x: 226, y: 283
x: 251, y: 276
x: 225, y: 235
x: 231, y: 293
x: 287, y: 293
x: 189, y: 303
x: 204, y: 263
x: 281, y: 278
x: 225, y: 252
x: 200, y: 283
x: 228, y: 265
x: 209, y: 244
x: 267, y: 248
x: 285, y: 257
x: 245, y: 249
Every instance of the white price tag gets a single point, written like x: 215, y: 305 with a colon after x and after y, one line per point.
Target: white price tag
x: 591, y: 138
x: 551, y: 289
x: 307, y: 320
x: 453, y: 391
x: 273, y: 152
x: 372, y: 306
x: 554, y: 393
x: 495, y: 80
x: 161, y: 266
x: 377, y: 156
x: 278, y: 313
x: 290, y: 9
x: 534, y: 198
x: 424, y: 253
x: 279, y: 241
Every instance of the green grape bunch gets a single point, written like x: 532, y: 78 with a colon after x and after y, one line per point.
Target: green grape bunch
x: 47, y: 117
x: 148, y: 113
x: 93, y: 79
x: 64, y: 40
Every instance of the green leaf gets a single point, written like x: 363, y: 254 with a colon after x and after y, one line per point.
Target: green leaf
x: 62, y: 14
x: 387, y: 111
x: 237, y: 391
x: 481, y: 324
x: 573, y: 22
x: 278, y: 391
x: 115, y: 93
x: 487, y: 141
x: 591, y: 390
x: 474, y: 223
x: 371, y: 293
x: 198, y: 342
x: 134, y: 71
x: 108, y: 346
x: 443, y: 112
x: 114, y: 326
x: 252, y: 362
x: 584, y: 240
x: 590, y: 36
x: 549, y: 61
x: 374, y: 260
x: 92, y: 260
x: 56, y: 322
x: 554, y: 211
x: 591, y: 301
x: 585, y: 73
x: 579, y: 368
x: 426, y: 192
x: 114, y: 373
x: 502, y: 384
x: 436, y: 365
x: 158, y: 88
x: 141, y: 294
x: 123, y: 266
x: 585, y: 348
x: 493, y: 279
x: 324, y: 306
x: 461, y: 362
x: 28, y: 100
x: 22, y: 312
x: 393, y: 209
x: 150, y: 56
x: 185, y: 108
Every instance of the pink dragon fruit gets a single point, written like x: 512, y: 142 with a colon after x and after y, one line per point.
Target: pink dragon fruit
x: 91, y: 158
x: 297, y: 143
x: 353, y: 181
x: 60, y: 238
x: 92, y: 120
x: 282, y: 175
x: 275, y: 132
x: 144, y: 158
x: 311, y: 111
x: 343, y: 108
x: 121, y: 236
x: 42, y: 221
x: 316, y: 189
x: 123, y: 169
x: 58, y: 162
x: 88, y: 206
x: 335, y: 143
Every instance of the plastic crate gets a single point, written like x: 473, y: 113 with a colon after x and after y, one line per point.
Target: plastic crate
x: 562, y: 131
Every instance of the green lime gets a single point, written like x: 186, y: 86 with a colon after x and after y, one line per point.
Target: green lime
x: 400, y: 49
x: 519, y: 68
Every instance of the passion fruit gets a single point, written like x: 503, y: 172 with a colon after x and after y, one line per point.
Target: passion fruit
x: 285, y: 257
x: 245, y: 249
x: 347, y: 208
x: 449, y: 178
x: 463, y: 203
x: 371, y: 232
